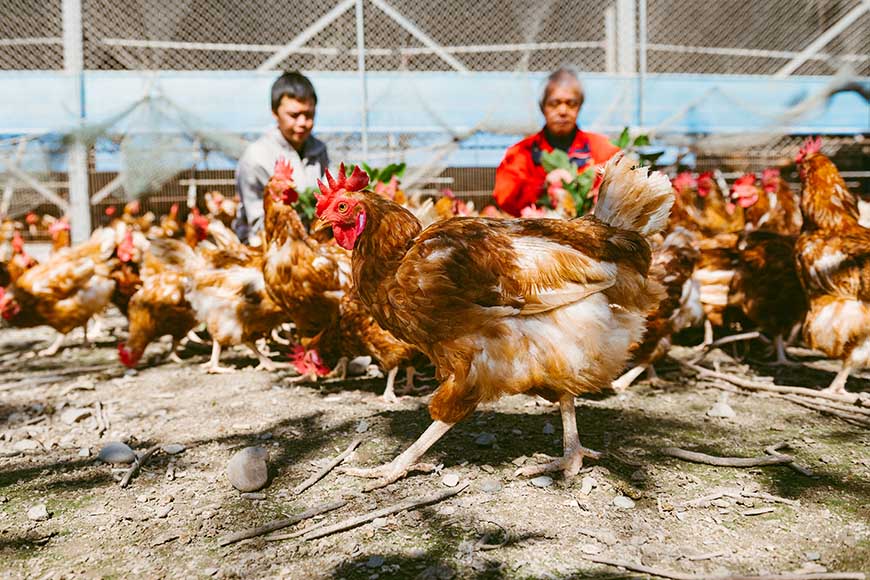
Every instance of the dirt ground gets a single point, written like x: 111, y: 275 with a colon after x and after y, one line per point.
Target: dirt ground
x: 768, y: 520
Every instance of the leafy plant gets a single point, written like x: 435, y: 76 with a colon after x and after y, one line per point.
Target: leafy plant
x: 579, y: 188
x: 632, y: 146
x: 382, y: 175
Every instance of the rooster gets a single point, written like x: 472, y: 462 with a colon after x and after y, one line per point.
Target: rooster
x: 64, y: 292
x: 543, y: 307
x: 833, y: 260
x: 21, y: 261
x: 59, y: 230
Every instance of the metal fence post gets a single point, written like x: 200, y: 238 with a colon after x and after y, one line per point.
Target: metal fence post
x: 641, y: 64
x: 77, y: 163
x: 361, y: 65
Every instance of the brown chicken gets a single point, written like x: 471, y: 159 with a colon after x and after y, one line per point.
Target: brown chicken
x: 232, y: 302
x: 673, y: 263
x: 21, y: 261
x: 785, y: 213
x: 544, y: 307
x: 158, y: 308
x: 718, y: 214
x: 833, y: 260
x: 66, y: 291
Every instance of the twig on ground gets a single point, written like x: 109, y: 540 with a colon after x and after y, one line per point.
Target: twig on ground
x: 327, y: 468
x: 137, y: 465
x: 279, y: 524
x: 757, y: 386
x: 682, y: 576
x: 774, y: 450
x: 723, y: 341
x: 823, y: 407
x: 697, y: 457
x: 98, y: 416
x: 384, y: 512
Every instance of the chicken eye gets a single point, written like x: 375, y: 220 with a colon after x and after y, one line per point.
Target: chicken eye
x: 342, y: 207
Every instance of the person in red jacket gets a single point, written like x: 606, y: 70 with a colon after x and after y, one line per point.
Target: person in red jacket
x: 520, y: 178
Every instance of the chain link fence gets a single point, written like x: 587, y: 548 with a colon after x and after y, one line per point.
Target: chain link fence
x: 622, y: 40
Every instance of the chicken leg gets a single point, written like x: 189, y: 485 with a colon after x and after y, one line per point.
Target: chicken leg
x: 622, y: 383
x: 406, y: 462
x: 781, y: 355
x: 173, y: 352
x: 389, y: 395
x: 572, y: 459
x: 55, y: 346
x: 266, y: 363
x: 838, y: 385
x: 213, y: 366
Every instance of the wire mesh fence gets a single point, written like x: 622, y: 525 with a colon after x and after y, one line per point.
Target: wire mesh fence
x: 628, y: 39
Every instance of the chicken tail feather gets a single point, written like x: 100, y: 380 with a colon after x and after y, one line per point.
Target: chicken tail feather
x: 631, y: 198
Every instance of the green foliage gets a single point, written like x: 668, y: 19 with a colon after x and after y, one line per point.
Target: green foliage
x: 383, y: 174
x: 306, y: 205
x: 631, y: 147
x: 579, y: 188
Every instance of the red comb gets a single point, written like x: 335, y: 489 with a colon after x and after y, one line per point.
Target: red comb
x: 173, y: 211
x: 770, y: 174
x: 811, y: 146
x: 110, y: 211
x: 283, y: 170
x: 31, y: 218
x: 745, y: 179
x: 58, y: 226
x: 357, y: 181
x: 684, y: 180
x: 17, y: 243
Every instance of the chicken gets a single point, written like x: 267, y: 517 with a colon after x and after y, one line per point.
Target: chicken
x: 220, y: 208
x: 59, y: 230
x: 785, y: 213
x: 231, y: 302
x: 158, y: 308
x: 543, y: 307
x: 714, y: 274
x: 64, y: 292
x: 684, y: 213
x: 303, y: 276
x: 718, y: 215
x: 170, y: 225
x: 753, y: 200
x: 21, y: 261
x: 195, y: 228
x: 766, y: 286
x: 833, y: 260
x: 130, y: 252
x: 673, y: 263
x: 864, y: 213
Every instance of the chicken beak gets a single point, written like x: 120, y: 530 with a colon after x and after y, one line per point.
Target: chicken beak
x: 319, y: 225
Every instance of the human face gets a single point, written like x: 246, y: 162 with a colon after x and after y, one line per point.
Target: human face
x: 295, y: 120
x: 561, y: 109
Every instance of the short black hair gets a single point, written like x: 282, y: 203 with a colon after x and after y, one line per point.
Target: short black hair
x: 561, y: 76
x: 294, y: 85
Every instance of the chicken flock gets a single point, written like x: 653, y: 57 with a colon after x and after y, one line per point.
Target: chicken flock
x: 548, y: 307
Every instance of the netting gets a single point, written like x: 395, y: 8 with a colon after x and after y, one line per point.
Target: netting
x: 163, y: 148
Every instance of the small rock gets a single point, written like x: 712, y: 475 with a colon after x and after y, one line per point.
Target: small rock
x: 173, y: 448
x: 812, y: 556
x: 142, y: 498
x: 254, y: 496
x: 362, y: 426
x: 210, y: 571
x: 3, y: 499
x: 542, y: 481
x: 131, y: 373
x: 74, y: 415
x: 587, y: 484
x: 519, y: 461
x: 517, y: 431
x: 84, y: 452
x: 623, y: 502
x: 379, y: 523
x: 164, y: 511
x: 485, y: 439
x: 264, y: 436
x: 248, y: 470
x: 359, y: 365
x: 721, y: 409
x: 116, y: 452
x: 490, y: 485
x: 639, y: 475
x: 38, y: 513
x: 450, y: 479
x: 827, y: 459
x: 549, y: 429
x: 26, y: 445
x: 375, y: 562
x: 590, y: 549
x: 446, y: 510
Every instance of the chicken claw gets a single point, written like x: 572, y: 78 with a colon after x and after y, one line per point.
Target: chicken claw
x: 569, y: 464
x: 386, y: 474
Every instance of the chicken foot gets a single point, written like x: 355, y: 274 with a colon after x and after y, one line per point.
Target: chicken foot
x: 781, y: 355
x: 622, y: 383
x: 389, y: 395
x: 173, y: 352
x: 55, y: 346
x: 404, y: 463
x: 572, y: 459
x: 266, y: 364
x: 838, y: 385
x: 213, y: 366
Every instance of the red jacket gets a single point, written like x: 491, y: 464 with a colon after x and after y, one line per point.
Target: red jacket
x: 520, y: 178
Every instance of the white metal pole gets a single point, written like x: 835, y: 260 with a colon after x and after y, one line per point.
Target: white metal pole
x: 77, y: 170
x: 641, y: 69
x: 610, y: 39
x: 361, y: 65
